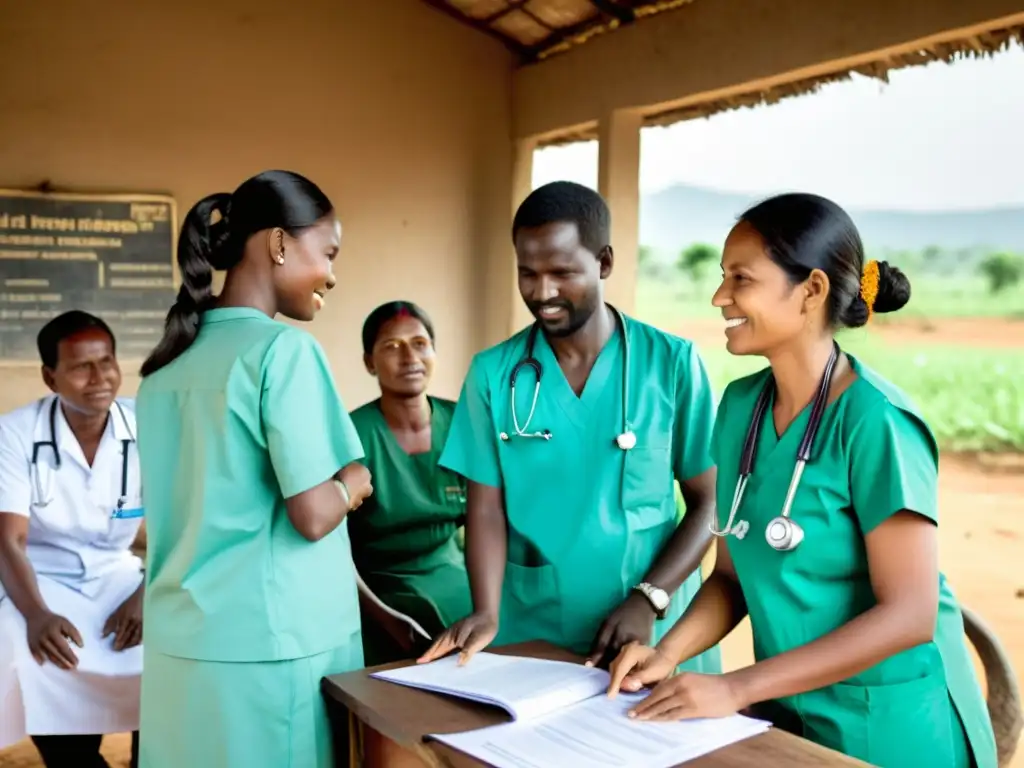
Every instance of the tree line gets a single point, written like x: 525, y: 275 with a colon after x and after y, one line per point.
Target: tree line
x: 1001, y: 270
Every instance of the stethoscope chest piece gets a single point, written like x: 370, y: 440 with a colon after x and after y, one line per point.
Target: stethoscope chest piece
x: 627, y: 440
x: 545, y: 435
x: 783, y: 535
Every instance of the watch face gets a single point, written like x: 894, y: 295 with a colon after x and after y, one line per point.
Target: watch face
x: 660, y: 598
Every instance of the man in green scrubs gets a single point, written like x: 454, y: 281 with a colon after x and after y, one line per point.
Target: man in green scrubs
x: 573, y: 535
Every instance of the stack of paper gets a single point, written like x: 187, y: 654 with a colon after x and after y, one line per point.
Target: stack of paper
x: 523, y: 687
x: 562, y: 717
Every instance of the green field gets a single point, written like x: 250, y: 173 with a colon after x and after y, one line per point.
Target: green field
x: 664, y: 299
x: 972, y: 396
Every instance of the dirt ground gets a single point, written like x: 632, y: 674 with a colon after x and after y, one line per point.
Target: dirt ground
x: 978, y: 332
x: 994, y: 333
x: 981, y: 535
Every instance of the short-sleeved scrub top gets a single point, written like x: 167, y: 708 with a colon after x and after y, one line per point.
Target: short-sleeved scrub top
x: 874, y: 456
x: 406, y: 539
x: 586, y: 519
x: 243, y: 614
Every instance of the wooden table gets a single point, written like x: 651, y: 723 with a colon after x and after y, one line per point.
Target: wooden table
x: 405, y: 715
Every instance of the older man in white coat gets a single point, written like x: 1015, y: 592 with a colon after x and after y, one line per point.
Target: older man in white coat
x: 71, y: 597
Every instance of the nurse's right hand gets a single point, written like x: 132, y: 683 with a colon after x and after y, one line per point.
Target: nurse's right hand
x: 48, y: 636
x: 357, y: 480
x: 468, y: 635
x: 638, y: 666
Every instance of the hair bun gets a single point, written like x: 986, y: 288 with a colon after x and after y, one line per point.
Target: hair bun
x: 893, y: 288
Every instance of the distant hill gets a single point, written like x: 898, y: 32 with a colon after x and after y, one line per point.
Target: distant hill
x: 680, y: 215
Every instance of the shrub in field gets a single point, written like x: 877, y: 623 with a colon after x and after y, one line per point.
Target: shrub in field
x: 1002, y: 270
x: 972, y: 398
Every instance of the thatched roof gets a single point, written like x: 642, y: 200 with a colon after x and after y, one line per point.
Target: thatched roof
x: 537, y: 29
x: 977, y: 46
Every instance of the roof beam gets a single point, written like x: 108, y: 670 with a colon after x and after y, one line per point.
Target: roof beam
x: 512, y: 5
x: 624, y: 14
x: 481, y: 25
x: 706, y: 47
x: 619, y: 15
x: 614, y: 10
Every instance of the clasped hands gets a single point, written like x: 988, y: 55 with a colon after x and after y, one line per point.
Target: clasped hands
x: 357, y: 483
x: 50, y: 635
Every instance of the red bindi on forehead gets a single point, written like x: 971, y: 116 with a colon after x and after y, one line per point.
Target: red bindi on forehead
x: 91, y: 342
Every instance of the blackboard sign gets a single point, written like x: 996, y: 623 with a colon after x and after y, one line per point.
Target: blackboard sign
x: 111, y: 255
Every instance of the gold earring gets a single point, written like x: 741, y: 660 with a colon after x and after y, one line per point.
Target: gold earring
x: 280, y: 258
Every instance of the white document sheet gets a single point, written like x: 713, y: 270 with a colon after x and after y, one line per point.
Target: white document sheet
x: 525, y: 688
x: 596, y: 733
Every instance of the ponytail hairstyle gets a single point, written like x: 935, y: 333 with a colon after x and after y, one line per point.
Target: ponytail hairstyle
x: 803, y: 232
x: 272, y: 199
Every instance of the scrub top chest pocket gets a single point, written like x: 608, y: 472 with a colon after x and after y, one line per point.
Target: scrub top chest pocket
x: 647, y: 481
x: 455, y: 494
x: 451, y: 489
x: 648, y: 471
x: 522, y: 461
x: 128, y: 507
x: 127, y: 511
x: 823, y: 505
x: 124, y: 520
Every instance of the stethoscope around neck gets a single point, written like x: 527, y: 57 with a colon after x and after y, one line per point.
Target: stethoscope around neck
x: 625, y: 440
x: 782, y: 533
x: 45, y: 497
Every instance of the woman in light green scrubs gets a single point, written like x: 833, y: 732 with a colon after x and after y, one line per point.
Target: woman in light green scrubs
x: 858, y: 638
x: 248, y: 461
x: 406, y: 542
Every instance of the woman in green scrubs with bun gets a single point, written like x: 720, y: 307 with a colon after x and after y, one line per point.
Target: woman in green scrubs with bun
x: 406, y: 542
x: 858, y: 639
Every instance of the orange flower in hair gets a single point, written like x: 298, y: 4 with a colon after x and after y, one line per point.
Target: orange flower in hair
x: 869, y: 285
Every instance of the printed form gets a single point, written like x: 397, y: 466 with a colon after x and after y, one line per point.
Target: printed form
x: 563, y: 717
x: 596, y: 732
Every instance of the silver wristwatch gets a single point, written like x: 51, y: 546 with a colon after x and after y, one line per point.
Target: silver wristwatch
x: 656, y: 596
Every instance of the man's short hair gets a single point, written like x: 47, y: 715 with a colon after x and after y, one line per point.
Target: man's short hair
x: 64, y: 326
x: 565, y: 201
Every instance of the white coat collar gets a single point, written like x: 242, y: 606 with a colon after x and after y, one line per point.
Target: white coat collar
x: 120, y: 426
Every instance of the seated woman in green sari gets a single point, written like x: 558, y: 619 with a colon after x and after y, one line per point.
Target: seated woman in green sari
x: 407, y: 538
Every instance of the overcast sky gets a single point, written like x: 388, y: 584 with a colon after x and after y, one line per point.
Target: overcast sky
x: 937, y: 137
